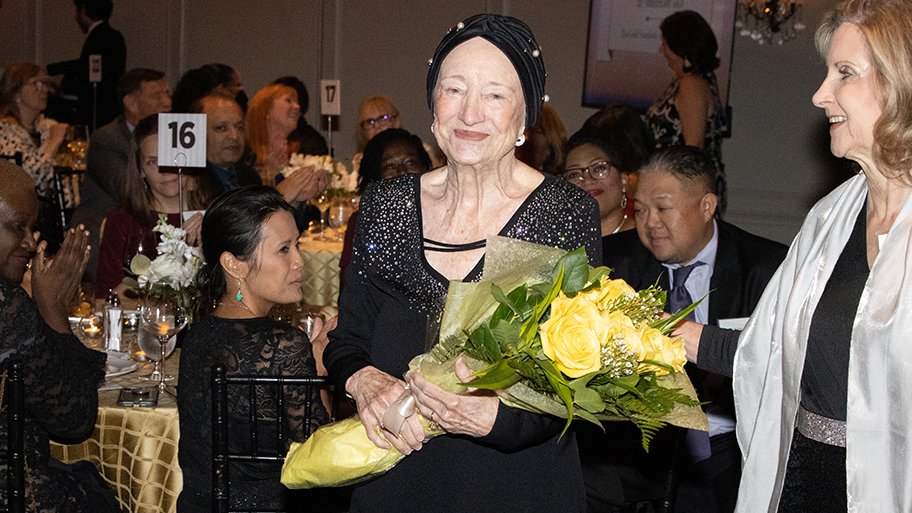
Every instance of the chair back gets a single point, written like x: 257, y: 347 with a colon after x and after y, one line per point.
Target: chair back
x: 13, y: 454
x: 259, y: 451
x: 15, y: 158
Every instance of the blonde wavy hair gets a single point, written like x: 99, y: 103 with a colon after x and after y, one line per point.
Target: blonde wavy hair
x: 887, y: 29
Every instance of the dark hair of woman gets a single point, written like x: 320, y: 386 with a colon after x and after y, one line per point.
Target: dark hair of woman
x: 623, y: 135
x: 234, y: 223
x: 370, y: 171
x: 192, y: 86
x: 140, y: 203
x: 688, y: 35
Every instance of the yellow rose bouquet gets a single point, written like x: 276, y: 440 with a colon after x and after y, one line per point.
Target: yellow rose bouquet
x: 549, y: 334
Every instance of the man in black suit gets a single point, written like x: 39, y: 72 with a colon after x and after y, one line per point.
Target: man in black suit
x: 101, y: 39
x: 677, y: 236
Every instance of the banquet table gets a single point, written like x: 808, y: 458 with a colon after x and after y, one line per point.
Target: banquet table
x: 135, y: 449
x: 320, y: 282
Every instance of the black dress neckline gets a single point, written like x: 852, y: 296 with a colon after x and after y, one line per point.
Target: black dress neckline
x: 476, y: 270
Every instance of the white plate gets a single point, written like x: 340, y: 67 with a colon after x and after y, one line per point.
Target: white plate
x: 118, y: 366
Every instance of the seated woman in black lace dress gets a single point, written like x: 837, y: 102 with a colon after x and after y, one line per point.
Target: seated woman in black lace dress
x: 252, y: 264
x: 61, y: 375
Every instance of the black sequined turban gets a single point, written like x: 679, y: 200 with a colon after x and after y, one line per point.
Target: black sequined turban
x: 515, y: 39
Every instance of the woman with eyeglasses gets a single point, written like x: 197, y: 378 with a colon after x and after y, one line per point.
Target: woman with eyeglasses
x: 591, y: 167
x: 23, y: 129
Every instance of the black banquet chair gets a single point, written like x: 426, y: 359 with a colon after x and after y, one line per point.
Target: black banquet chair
x: 268, y: 438
x: 13, y: 454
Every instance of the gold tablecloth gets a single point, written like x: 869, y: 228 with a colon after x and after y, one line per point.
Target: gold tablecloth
x: 135, y: 449
x: 320, y: 282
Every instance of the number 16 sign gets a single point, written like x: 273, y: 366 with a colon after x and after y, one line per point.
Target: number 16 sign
x: 182, y: 140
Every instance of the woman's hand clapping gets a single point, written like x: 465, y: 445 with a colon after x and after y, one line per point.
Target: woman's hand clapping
x: 303, y: 185
x: 55, y: 281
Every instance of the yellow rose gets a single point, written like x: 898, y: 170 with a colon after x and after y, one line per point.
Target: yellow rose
x: 664, y: 349
x: 607, y: 291
x: 613, y: 289
x: 570, y: 337
x: 618, y: 325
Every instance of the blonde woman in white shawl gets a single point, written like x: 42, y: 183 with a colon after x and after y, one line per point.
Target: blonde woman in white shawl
x: 823, y: 370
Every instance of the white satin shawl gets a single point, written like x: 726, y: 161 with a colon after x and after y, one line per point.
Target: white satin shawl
x: 770, y: 359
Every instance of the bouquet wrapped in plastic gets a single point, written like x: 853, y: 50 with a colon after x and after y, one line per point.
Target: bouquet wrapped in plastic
x: 551, y: 335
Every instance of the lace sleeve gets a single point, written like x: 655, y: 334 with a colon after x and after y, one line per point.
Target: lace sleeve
x: 61, y: 375
x: 292, y: 355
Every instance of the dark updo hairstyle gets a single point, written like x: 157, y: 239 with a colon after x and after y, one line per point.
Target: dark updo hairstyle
x: 622, y: 134
x: 688, y: 35
x: 372, y: 158
x: 234, y: 223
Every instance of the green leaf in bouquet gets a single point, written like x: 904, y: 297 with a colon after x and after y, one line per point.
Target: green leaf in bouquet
x: 482, y: 345
x: 575, y: 266
x: 660, y: 364
x: 595, y: 276
x: 588, y: 399
x: 131, y: 283
x: 497, y: 376
x: 502, y: 298
x: 506, y: 335
x: 530, y: 326
x: 666, y: 326
x: 585, y: 415
x: 559, y: 385
x: 540, y: 290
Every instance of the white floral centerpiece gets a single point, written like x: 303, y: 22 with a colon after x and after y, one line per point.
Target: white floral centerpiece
x: 172, y: 274
x: 342, y: 180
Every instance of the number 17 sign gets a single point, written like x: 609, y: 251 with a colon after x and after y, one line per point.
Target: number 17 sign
x: 182, y: 140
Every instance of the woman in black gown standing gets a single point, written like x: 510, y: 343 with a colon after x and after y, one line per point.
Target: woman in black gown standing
x: 415, y: 234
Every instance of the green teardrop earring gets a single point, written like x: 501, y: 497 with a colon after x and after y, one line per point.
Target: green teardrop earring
x: 239, y: 297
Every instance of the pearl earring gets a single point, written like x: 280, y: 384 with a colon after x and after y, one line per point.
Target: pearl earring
x: 521, y: 140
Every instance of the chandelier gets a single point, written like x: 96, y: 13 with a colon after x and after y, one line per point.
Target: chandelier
x: 769, y: 21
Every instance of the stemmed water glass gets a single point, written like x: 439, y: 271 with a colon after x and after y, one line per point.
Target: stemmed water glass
x: 339, y: 212
x: 160, y: 322
x: 322, y: 202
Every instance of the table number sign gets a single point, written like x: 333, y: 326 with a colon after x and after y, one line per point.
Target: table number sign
x: 95, y: 68
x: 330, y: 94
x: 182, y: 140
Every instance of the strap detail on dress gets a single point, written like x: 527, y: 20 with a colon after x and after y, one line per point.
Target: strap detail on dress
x: 445, y: 247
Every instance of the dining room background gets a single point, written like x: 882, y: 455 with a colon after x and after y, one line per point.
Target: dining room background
x: 777, y: 158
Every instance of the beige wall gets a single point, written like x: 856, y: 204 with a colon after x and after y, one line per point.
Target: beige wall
x: 777, y: 159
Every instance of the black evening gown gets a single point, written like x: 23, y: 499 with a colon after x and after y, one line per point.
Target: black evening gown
x: 248, y: 347
x: 61, y: 379
x: 389, y: 312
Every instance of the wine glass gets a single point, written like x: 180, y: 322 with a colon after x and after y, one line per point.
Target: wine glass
x: 322, y: 202
x: 161, y: 322
x: 339, y: 212
x: 78, y: 144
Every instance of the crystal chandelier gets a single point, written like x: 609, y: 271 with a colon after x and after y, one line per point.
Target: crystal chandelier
x: 769, y: 21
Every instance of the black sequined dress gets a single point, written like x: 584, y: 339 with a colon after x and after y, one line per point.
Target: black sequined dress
x: 61, y: 379
x: 243, y: 346
x: 389, y: 309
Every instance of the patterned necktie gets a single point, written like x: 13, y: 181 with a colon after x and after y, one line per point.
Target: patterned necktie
x: 678, y: 297
x: 697, y: 442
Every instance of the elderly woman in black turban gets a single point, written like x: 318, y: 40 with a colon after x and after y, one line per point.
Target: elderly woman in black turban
x: 416, y: 233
